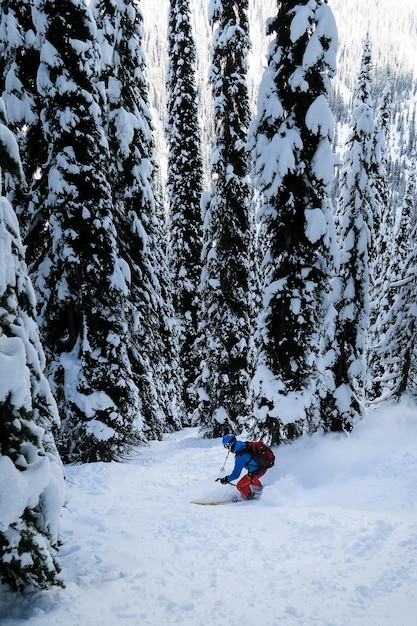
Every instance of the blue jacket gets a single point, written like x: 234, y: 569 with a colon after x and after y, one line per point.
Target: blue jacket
x: 244, y: 460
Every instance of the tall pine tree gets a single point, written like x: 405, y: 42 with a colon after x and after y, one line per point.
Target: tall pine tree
x: 396, y: 325
x: 81, y: 279
x: 184, y: 186
x: 32, y: 480
x: 358, y: 211
x: 152, y: 340
x: 224, y: 330
x: 291, y: 138
x: 380, y: 289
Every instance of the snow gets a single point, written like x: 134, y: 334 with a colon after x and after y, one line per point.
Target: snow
x: 21, y: 489
x: 15, y: 378
x: 268, y: 99
x: 301, y: 22
x: 277, y: 158
x: 326, y: 29
x: 332, y: 541
x: 322, y: 164
x: 364, y: 118
x: 316, y: 225
x: 8, y: 145
x: 319, y: 118
x: 88, y: 404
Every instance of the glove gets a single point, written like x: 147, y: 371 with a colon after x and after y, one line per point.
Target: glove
x: 223, y: 480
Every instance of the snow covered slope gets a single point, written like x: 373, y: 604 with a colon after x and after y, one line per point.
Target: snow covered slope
x: 332, y: 541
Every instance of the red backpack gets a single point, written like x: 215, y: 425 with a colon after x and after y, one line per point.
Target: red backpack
x: 261, y: 453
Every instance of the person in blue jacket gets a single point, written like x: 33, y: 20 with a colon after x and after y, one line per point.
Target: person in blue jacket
x: 249, y: 485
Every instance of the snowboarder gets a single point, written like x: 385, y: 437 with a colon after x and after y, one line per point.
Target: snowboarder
x: 249, y: 486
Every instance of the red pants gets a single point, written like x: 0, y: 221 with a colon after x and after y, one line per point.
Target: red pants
x: 250, y: 480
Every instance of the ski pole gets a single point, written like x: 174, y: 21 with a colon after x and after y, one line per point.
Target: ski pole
x: 224, y: 464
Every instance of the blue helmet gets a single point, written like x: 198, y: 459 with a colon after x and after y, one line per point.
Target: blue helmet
x: 228, y: 441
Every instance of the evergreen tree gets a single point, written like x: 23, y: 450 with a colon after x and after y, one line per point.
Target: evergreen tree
x: 19, y: 62
x: 224, y: 329
x: 396, y: 324
x: 32, y: 492
x: 380, y: 167
x: 152, y: 339
x: 380, y: 291
x: 358, y: 211
x: 291, y: 141
x: 184, y: 186
x: 81, y: 279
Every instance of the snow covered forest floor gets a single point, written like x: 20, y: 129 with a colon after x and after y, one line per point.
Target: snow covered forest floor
x: 332, y: 541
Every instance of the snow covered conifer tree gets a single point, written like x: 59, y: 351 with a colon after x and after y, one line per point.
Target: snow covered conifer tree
x: 358, y: 210
x: 81, y: 279
x: 380, y: 166
x: 152, y: 339
x: 184, y: 186
x: 223, y: 338
x: 396, y: 325
x: 19, y: 52
x: 291, y: 143
x: 380, y: 290
x: 32, y: 480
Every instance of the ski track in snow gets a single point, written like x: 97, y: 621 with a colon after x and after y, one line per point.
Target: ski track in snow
x: 332, y: 541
